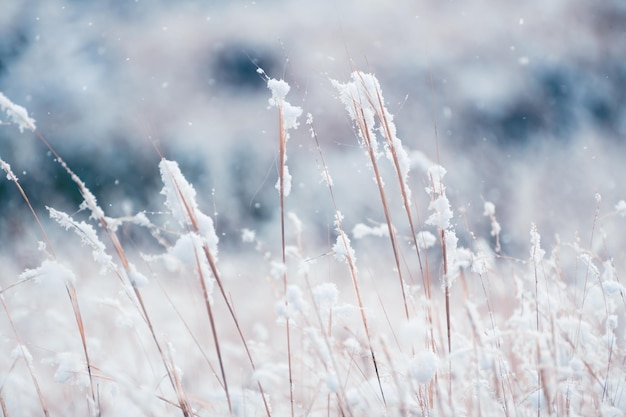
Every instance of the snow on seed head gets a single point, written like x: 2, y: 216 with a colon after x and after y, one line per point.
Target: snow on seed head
x: 290, y: 114
x: 17, y: 114
x: 436, y: 174
x: 180, y: 199
x: 342, y: 249
x: 88, y: 237
x: 180, y: 196
x: 536, y: 253
x: 441, y: 213
x: 7, y: 168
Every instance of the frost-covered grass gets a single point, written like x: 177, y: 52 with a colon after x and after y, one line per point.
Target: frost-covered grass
x: 414, y: 315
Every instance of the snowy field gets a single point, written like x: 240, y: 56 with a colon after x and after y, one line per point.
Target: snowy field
x: 298, y: 208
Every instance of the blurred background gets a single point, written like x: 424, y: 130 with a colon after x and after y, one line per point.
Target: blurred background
x: 523, y: 103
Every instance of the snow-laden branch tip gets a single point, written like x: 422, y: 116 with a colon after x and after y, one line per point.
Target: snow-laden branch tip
x: 180, y: 199
x: 7, y: 169
x: 290, y: 113
x: 17, y: 114
x: 364, y: 102
x: 88, y: 236
x: 342, y: 248
x: 536, y: 253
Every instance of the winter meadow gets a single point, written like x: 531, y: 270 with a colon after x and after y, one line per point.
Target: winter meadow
x: 287, y: 209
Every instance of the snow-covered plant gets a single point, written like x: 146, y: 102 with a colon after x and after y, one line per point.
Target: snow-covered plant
x: 155, y: 326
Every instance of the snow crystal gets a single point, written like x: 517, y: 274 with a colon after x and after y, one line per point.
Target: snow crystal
x: 17, y: 114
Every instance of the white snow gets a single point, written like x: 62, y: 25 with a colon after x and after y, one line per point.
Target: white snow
x: 88, y: 237
x: 17, y: 114
x: 180, y: 199
x: 423, y: 366
x: 50, y: 270
x: 361, y: 230
x: 425, y: 239
x: 441, y: 213
x: 536, y: 253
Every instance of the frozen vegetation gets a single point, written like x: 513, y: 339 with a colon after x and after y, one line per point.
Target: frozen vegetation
x: 293, y: 208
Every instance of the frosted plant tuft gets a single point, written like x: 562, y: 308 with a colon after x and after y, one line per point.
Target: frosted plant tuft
x: 536, y: 253
x: 17, y: 114
x: 7, y: 168
x: 289, y: 115
x: 88, y: 237
x: 180, y: 199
